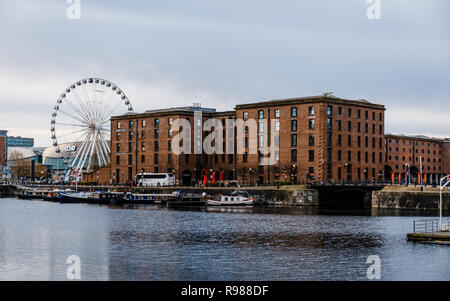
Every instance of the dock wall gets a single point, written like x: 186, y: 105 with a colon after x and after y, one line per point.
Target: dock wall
x: 283, y: 197
x: 426, y: 200
x: 7, y: 191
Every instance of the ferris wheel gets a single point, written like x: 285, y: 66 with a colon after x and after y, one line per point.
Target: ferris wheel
x: 80, y: 123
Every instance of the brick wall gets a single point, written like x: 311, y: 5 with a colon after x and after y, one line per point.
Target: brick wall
x: 446, y: 157
x: 407, y: 150
x: 101, y: 176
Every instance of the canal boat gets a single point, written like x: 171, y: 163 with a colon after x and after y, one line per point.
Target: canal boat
x: 183, y: 199
x: 74, y: 197
x: 54, y: 195
x: 97, y: 197
x: 32, y: 194
x: 141, y: 198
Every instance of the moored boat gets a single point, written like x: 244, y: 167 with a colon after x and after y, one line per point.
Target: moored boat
x: 74, y: 197
x: 32, y: 194
x: 183, y: 199
x: 140, y: 198
x: 53, y: 195
x: 96, y: 197
x: 237, y: 198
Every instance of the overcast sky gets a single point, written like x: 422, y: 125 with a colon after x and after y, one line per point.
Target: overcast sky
x: 220, y: 53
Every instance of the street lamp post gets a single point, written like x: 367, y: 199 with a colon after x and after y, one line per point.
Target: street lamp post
x: 442, y: 186
x: 408, y: 174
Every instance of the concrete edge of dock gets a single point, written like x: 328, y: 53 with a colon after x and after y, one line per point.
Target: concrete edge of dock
x: 432, y: 236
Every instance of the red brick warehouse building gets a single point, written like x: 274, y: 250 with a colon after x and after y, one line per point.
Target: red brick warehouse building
x: 143, y: 143
x: 406, y: 155
x: 320, y: 138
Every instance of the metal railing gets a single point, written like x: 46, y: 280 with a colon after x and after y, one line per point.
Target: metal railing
x: 426, y: 226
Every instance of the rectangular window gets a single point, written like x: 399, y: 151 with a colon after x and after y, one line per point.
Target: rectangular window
x: 339, y: 111
x: 277, y: 126
x: 329, y: 110
x: 143, y: 123
x: 261, y: 141
x: 293, y: 112
x: 311, y: 124
x: 311, y: 139
x: 156, y: 123
x: 311, y: 111
x: 349, y: 126
x: 311, y: 156
x: 169, y: 158
x: 260, y: 114
x: 142, y: 159
x: 294, y: 125
x: 245, y: 115
x: 170, y: 121
x: 294, y: 139
x: 277, y: 113
x: 293, y: 155
x: 349, y: 113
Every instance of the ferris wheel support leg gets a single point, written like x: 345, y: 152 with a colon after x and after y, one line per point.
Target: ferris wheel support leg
x: 106, y: 151
x: 81, y: 162
x: 99, y: 151
x: 94, y: 140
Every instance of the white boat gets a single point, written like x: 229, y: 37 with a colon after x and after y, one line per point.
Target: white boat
x: 233, y: 200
